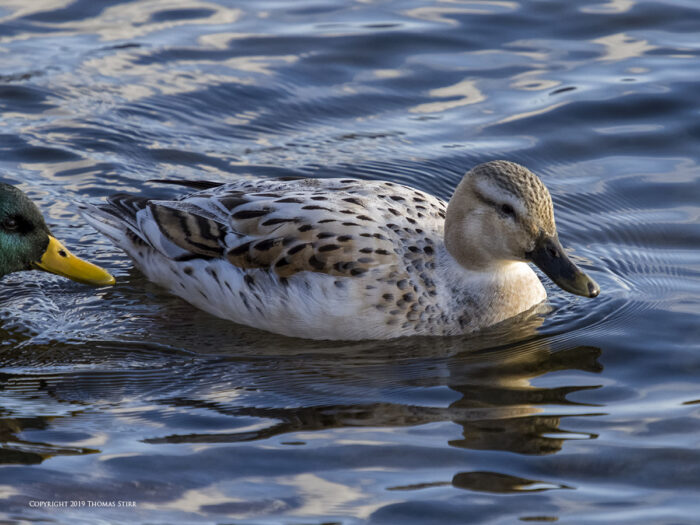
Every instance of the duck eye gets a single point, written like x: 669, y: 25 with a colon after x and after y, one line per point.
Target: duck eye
x: 508, y: 210
x: 11, y: 224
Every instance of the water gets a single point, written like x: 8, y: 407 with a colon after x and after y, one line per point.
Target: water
x: 588, y: 413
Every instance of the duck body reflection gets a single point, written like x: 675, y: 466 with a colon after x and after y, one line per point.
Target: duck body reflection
x: 357, y: 390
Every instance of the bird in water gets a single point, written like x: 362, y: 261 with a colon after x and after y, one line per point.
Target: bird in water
x: 350, y: 259
x: 27, y: 244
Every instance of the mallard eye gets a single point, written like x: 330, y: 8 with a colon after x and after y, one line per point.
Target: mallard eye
x: 507, y: 209
x: 10, y: 224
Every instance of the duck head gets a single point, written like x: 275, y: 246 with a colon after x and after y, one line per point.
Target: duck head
x: 501, y: 212
x: 26, y: 243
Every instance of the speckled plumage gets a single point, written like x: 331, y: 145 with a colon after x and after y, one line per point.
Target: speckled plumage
x: 318, y: 258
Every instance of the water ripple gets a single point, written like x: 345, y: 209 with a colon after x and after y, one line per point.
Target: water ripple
x: 580, y: 411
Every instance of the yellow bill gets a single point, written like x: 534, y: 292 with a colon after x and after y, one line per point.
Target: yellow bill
x: 57, y: 259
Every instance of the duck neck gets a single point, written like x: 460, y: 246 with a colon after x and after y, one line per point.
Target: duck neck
x: 488, y: 293
x: 459, y: 230
x: 472, y: 267
x: 469, y: 256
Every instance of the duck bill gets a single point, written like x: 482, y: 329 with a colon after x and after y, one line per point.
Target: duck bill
x: 57, y: 259
x: 550, y: 257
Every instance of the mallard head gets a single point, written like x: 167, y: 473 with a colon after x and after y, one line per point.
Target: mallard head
x: 502, y: 212
x: 26, y: 243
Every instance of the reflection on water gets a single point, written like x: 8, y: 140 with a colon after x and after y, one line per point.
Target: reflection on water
x: 304, y: 401
x: 495, y: 409
x: 488, y: 482
x: 581, y: 411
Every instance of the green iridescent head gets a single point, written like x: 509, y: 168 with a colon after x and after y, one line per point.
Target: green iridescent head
x: 27, y: 244
x: 24, y: 235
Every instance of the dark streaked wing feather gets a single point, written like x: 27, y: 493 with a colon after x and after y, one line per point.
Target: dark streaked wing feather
x: 340, y: 227
x: 125, y: 207
x: 190, y: 231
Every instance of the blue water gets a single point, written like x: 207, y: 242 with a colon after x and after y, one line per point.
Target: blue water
x: 586, y: 414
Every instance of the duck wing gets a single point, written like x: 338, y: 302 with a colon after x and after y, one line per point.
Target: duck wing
x: 340, y: 227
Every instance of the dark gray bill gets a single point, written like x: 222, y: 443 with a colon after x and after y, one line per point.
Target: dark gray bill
x: 550, y: 257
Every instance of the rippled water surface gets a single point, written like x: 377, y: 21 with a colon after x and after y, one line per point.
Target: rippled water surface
x: 588, y: 413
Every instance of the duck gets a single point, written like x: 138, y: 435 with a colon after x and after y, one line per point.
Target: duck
x: 350, y: 259
x: 26, y: 243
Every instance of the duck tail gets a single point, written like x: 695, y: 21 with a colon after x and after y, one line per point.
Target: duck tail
x: 194, y: 184
x: 113, y: 222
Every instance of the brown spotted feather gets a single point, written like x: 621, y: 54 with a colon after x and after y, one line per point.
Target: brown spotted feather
x: 294, y: 226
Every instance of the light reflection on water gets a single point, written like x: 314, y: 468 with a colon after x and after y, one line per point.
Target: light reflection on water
x: 586, y: 411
